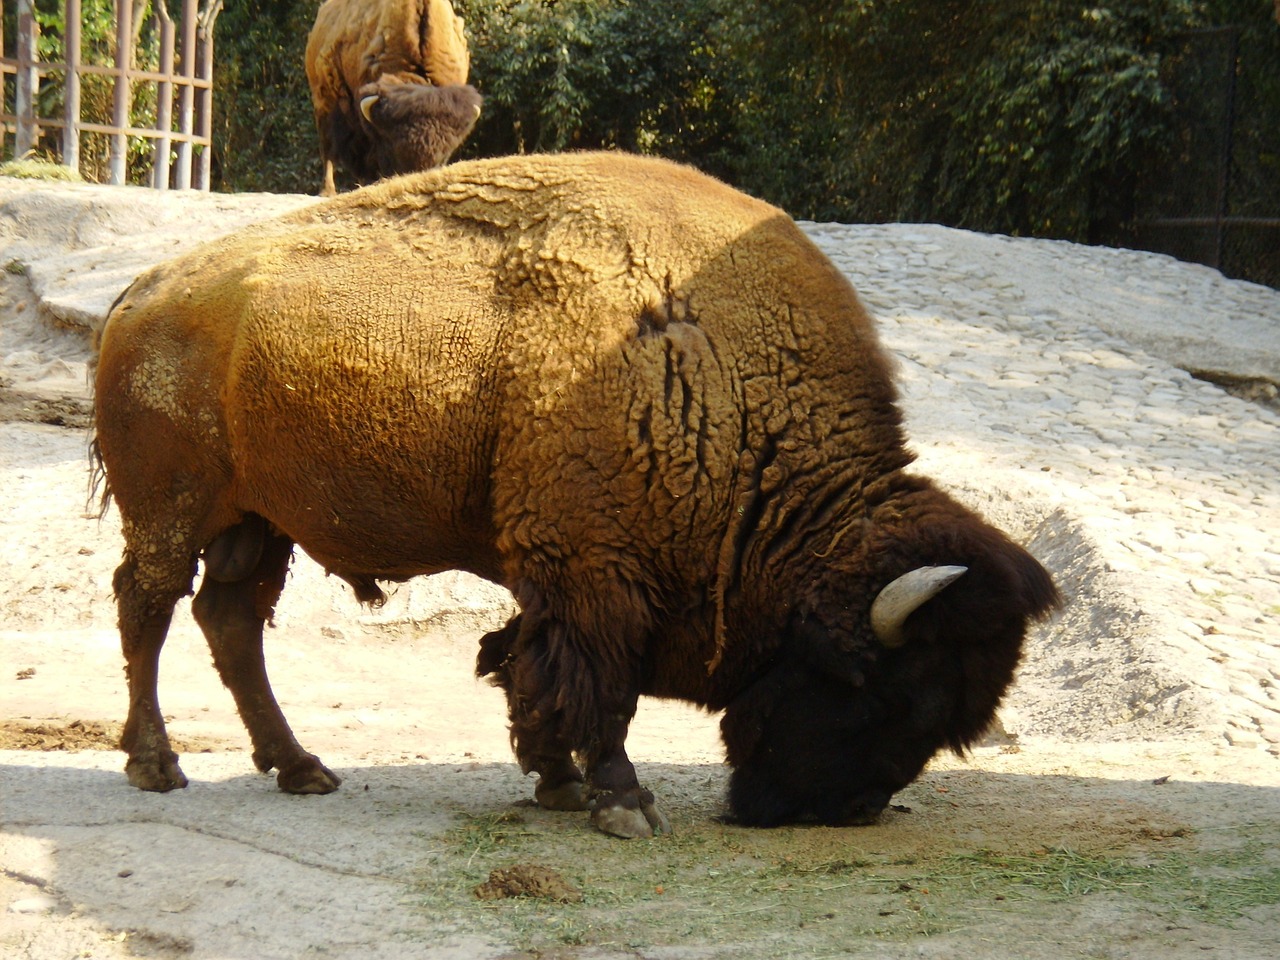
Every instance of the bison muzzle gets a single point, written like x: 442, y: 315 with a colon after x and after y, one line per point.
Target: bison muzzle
x: 642, y: 401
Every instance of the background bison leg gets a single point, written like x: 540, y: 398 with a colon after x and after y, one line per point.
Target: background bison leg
x: 232, y: 615
x: 327, y: 188
x: 145, y: 609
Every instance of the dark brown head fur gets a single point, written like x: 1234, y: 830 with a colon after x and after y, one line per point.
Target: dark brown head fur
x: 416, y: 126
x: 836, y: 723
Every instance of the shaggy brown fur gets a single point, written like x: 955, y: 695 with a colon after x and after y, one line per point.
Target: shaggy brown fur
x: 389, y: 47
x: 641, y: 400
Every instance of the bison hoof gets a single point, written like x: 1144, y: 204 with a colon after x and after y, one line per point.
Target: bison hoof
x: 159, y: 775
x: 308, y: 775
x: 571, y: 795
x: 629, y: 816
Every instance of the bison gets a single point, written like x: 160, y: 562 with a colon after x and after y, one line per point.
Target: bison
x: 389, y: 86
x: 639, y: 399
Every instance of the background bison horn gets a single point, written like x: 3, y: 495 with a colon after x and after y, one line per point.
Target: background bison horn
x: 366, y: 105
x: 899, y: 599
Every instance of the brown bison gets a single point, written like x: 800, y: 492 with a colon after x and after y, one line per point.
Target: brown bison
x: 639, y: 399
x: 389, y: 86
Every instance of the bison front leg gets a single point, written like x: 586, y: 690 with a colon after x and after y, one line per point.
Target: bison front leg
x: 563, y: 699
x: 145, y: 603
x: 561, y: 785
x: 619, y: 805
x: 235, y: 599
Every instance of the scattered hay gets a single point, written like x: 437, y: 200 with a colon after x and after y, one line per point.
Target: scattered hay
x: 30, y: 168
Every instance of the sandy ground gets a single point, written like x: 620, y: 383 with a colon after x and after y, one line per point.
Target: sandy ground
x: 1127, y: 806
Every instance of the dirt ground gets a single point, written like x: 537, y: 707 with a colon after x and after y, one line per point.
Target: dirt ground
x: 1034, y: 846
x: 1034, y: 849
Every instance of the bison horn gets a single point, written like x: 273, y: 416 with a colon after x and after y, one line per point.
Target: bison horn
x: 366, y: 106
x: 899, y: 599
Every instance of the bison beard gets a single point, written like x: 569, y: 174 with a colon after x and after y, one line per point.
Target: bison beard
x: 642, y: 401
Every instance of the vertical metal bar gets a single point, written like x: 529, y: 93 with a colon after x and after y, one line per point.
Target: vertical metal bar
x: 26, y: 82
x: 1225, y: 151
x: 71, y: 96
x: 187, y: 59
x: 204, y: 100
x: 164, y: 102
x: 119, y: 156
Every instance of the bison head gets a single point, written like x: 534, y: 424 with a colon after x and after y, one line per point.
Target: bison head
x: 903, y: 646
x: 416, y: 125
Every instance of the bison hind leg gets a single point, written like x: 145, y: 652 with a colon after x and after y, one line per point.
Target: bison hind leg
x: 145, y: 598
x: 231, y: 613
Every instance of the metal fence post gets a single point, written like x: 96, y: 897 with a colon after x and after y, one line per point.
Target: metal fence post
x: 204, y: 100
x: 27, y: 81
x: 186, y: 95
x: 71, y: 96
x: 1225, y: 147
x: 164, y: 103
x: 117, y: 168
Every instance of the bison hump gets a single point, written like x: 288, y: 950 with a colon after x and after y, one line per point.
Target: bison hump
x: 445, y: 56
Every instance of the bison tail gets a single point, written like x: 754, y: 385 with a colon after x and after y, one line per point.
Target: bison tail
x: 99, y: 483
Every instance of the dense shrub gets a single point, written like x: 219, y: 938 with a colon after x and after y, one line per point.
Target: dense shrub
x: 264, y: 130
x: 1018, y: 117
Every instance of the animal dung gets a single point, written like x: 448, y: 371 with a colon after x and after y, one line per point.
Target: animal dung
x: 527, y: 880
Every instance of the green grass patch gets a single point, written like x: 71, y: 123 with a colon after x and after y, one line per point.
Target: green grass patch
x: 807, y: 889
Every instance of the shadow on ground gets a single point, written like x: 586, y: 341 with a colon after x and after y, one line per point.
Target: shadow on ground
x: 394, y: 857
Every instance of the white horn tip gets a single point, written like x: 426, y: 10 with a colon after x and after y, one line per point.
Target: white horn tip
x: 366, y: 106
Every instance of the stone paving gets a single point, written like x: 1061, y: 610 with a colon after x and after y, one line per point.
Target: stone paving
x: 1154, y: 495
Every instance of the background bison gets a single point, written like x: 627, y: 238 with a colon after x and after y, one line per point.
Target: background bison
x: 639, y: 399
x: 389, y: 86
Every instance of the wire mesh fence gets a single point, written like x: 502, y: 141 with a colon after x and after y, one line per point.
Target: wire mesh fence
x: 1214, y: 197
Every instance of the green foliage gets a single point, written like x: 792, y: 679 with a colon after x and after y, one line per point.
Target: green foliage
x: 1060, y: 121
x: 1040, y: 117
x: 575, y: 74
x: 1026, y: 117
x: 264, y: 129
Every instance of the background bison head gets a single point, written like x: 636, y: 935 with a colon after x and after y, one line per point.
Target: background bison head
x: 847, y: 713
x: 415, y: 125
